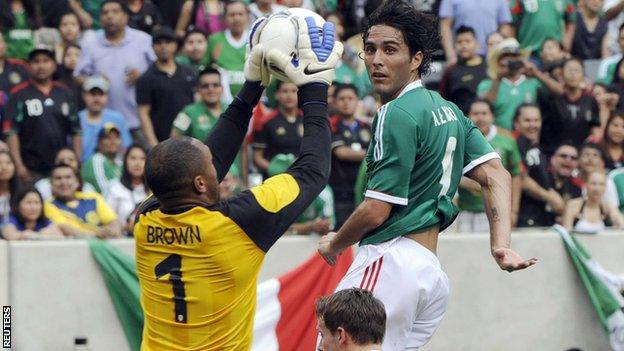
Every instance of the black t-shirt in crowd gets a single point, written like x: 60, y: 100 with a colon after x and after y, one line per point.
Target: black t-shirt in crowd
x: 533, y: 212
x: 166, y: 95
x: 13, y: 73
x: 566, y: 121
x: 146, y: 19
x: 356, y: 135
x: 459, y: 83
x: 44, y: 123
x: 279, y: 135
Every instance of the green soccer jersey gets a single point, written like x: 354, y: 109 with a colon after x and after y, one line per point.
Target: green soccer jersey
x: 19, y: 39
x: 615, y: 188
x: 538, y: 20
x: 195, y: 120
x: 185, y: 60
x: 510, y: 95
x: 507, y: 149
x: 421, y: 146
x: 321, y: 207
x: 100, y: 170
x: 229, y: 54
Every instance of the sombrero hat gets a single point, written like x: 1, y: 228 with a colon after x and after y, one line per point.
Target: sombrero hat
x: 508, y: 46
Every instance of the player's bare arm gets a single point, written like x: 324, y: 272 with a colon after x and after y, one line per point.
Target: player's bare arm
x: 495, y: 183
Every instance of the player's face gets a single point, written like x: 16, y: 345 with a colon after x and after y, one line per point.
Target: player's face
x: 210, y: 88
x: 564, y: 161
x: 596, y: 185
x: 329, y: 341
x: 388, y: 61
x: 67, y: 157
x: 236, y: 18
x: 30, y: 207
x: 95, y: 100
x: 529, y: 123
x: 135, y: 162
x: 165, y: 49
x: 42, y: 67
x: 615, y: 130
x: 64, y: 183
x: 286, y: 96
x: 113, y: 18
x: 466, y: 45
x: 346, y: 102
x: 7, y: 168
x: 195, y: 46
x: 573, y: 75
x: 481, y: 115
x: 69, y: 28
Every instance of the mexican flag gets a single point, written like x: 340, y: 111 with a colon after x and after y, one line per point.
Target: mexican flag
x: 605, y: 289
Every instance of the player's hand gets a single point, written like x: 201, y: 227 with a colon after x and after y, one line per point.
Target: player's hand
x: 317, y: 56
x: 508, y: 260
x: 254, y: 70
x: 326, y: 250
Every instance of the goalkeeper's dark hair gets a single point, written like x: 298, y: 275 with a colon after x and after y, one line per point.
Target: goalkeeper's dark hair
x: 420, y: 30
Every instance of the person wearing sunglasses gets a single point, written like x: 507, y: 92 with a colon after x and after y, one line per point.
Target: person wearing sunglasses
x: 562, y: 165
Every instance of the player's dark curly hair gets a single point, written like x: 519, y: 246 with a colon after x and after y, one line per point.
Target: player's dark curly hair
x: 420, y: 30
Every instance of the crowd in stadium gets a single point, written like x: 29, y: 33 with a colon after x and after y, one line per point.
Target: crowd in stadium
x: 87, y: 87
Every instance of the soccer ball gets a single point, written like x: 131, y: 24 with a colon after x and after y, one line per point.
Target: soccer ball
x: 281, y: 32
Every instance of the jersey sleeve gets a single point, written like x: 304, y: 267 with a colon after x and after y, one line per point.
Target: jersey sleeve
x: 182, y: 122
x: 477, y: 150
x: 393, y: 156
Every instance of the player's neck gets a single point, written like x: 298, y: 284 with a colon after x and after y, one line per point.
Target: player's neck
x: 176, y: 202
x: 387, y: 98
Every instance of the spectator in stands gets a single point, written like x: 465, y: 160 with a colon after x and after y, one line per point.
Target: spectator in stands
x: 76, y: 213
x: 96, y: 115
x: 193, y: 50
x: 8, y: 185
x: 40, y: 118
x: 607, y: 99
x: 535, y: 21
x: 570, y: 117
x: 472, y: 217
x: 27, y: 220
x: 553, y: 56
x: 205, y: 16
x: 483, y: 17
x: 69, y: 28
x: 590, y: 214
x: 226, y: 49
x: 350, y: 320
x: 319, y: 217
x: 106, y: 164
x: 563, y: 164
x: 613, y: 12
x: 12, y: 73
x: 18, y: 21
x: 350, y: 139
x: 612, y: 142
x: 492, y: 40
x: 131, y: 189
x: 197, y: 119
x: 65, y: 72
x: 259, y: 8
x: 65, y: 155
x: 121, y: 54
x: 591, y: 159
x: 164, y: 89
x: 606, y: 70
x: 143, y: 15
x: 509, y: 86
x: 283, y: 130
x: 540, y: 203
x: 459, y: 82
x: 590, y: 40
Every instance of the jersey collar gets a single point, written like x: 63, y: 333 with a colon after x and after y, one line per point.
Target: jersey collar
x: 492, y: 133
x: 516, y: 83
x: 411, y: 86
x: 237, y: 44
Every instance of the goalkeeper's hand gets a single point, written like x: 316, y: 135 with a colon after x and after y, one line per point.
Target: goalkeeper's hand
x: 254, y: 70
x: 317, y: 56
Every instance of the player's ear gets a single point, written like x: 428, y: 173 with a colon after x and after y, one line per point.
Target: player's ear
x: 416, y: 61
x: 200, y: 184
x: 342, y: 335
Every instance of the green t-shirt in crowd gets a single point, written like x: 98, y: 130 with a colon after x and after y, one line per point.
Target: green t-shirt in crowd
x: 538, y: 20
x: 195, y: 120
x: 19, y: 38
x: 421, y: 146
x: 100, y: 170
x: 347, y: 75
x: 510, y: 95
x: 185, y: 60
x: 229, y: 55
x: 507, y: 149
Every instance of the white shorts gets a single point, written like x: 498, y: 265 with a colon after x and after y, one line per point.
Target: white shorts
x: 408, y: 279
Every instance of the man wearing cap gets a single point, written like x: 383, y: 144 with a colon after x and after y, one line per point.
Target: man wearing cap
x: 40, y: 117
x: 106, y: 164
x: 513, y: 81
x: 164, y: 89
x: 121, y: 54
x: 96, y: 115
